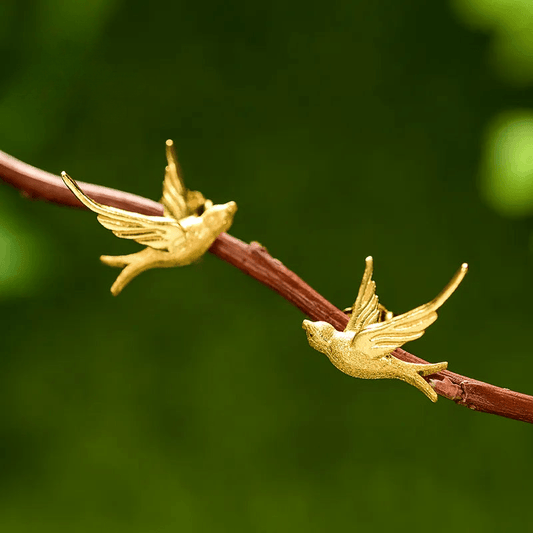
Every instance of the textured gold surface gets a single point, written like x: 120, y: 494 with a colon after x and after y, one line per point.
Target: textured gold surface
x: 190, y: 226
x: 363, y: 349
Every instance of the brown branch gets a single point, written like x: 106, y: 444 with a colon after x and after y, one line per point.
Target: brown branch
x: 255, y: 261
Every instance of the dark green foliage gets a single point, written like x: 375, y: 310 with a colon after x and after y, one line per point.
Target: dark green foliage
x: 192, y: 402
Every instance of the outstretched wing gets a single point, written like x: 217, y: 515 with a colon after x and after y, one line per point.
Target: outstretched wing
x: 380, y: 339
x: 177, y: 200
x: 161, y: 233
x: 365, y: 310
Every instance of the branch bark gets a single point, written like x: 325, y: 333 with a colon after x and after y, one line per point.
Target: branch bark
x: 254, y: 260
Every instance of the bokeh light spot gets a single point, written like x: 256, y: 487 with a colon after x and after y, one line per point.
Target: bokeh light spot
x: 512, y: 23
x: 23, y: 255
x: 507, y: 167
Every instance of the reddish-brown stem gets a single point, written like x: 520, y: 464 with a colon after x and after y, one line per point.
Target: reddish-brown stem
x: 254, y: 260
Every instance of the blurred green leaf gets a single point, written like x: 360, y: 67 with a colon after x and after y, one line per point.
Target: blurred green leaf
x: 507, y: 169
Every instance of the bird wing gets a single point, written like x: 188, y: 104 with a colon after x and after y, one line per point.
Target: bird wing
x: 161, y: 233
x: 365, y: 310
x: 177, y: 200
x: 379, y: 339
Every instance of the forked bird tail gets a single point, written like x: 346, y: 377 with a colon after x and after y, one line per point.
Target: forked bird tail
x: 132, y: 265
x: 119, y: 261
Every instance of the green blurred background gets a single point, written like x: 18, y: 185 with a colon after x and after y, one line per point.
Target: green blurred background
x: 192, y: 402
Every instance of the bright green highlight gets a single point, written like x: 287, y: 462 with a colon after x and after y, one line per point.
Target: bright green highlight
x: 512, y: 22
x: 507, y: 168
x: 22, y: 255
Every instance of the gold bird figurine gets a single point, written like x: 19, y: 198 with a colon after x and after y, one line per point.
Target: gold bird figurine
x: 363, y: 349
x: 188, y: 228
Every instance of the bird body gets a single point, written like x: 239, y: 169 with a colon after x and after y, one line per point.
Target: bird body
x: 190, y: 226
x: 364, y: 349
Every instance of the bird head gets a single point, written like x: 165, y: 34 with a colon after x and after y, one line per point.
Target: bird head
x: 220, y: 217
x: 318, y: 334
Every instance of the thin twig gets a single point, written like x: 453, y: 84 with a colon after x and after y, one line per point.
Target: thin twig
x: 254, y: 260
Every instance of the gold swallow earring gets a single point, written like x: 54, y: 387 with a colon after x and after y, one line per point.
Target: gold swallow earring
x: 363, y: 349
x: 190, y: 226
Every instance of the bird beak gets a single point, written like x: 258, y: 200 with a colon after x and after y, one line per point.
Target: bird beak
x: 231, y: 207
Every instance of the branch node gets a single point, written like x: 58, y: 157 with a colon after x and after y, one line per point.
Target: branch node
x: 447, y: 388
